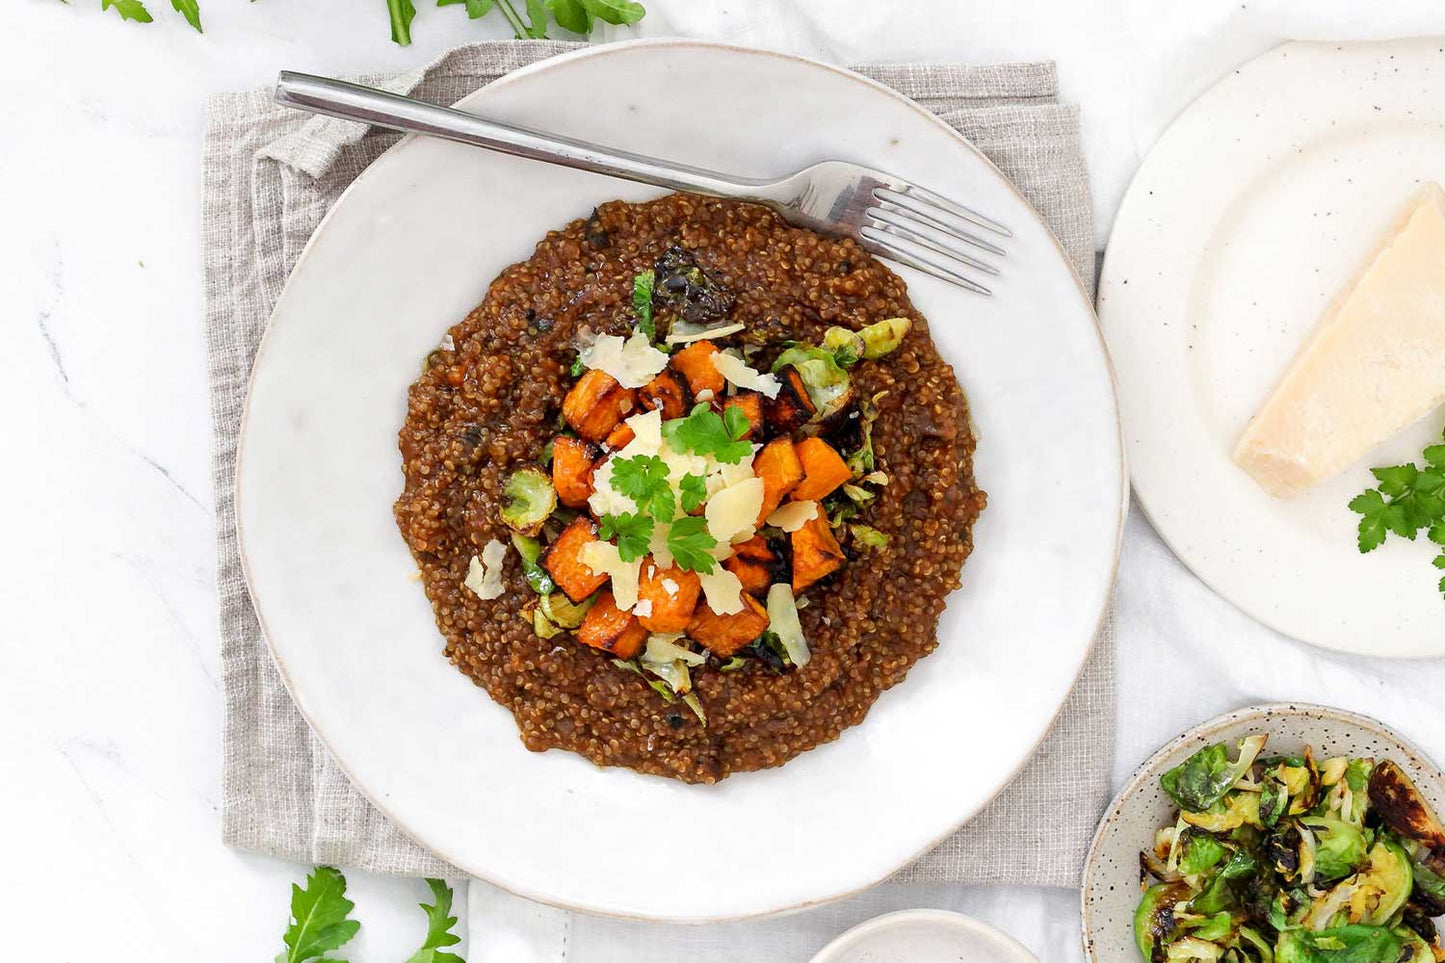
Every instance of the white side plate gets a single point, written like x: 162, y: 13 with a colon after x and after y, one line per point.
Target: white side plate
x: 409, y: 250
x: 1254, y: 209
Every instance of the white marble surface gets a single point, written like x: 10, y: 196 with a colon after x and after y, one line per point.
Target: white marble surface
x: 109, y: 711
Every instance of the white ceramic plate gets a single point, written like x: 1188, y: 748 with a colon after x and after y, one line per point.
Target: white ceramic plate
x: 409, y: 250
x: 924, y: 936
x: 1257, y: 205
x: 1110, y: 891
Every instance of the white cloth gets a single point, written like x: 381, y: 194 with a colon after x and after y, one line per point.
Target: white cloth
x: 1184, y: 653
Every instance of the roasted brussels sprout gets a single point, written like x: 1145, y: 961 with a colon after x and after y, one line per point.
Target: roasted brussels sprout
x: 846, y: 345
x: 531, y: 500
x: 884, y: 337
x: 1202, y: 780
x: 1339, y: 849
x: 829, y: 387
x: 1356, y: 944
x: 683, y: 290
x: 530, y: 551
x: 564, y: 612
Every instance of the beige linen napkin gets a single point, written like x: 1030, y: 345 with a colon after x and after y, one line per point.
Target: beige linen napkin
x: 270, y: 176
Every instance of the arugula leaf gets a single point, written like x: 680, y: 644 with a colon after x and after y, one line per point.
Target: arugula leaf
x: 571, y: 15
x: 632, y: 531
x: 476, y: 9
x: 615, y: 11
x: 704, y: 432
x: 694, y: 492
x: 689, y: 543
x: 643, y: 478
x: 401, y: 12
x: 319, y: 917
x: 537, y: 15
x: 128, y: 9
x: 191, y: 10
x: 439, y: 923
x: 641, y: 291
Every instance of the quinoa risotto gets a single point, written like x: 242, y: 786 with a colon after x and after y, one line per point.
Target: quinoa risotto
x: 688, y: 488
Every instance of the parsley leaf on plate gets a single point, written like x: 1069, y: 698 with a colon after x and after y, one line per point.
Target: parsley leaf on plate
x: 128, y: 9
x: 632, y: 531
x: 319, y: 917
x: 641, y: 290
x: 705, y: 432
x: 643, y: 478
x: 689, y: 543
x: 1407, y: 499
x: 694, y: 491
x: 439, y: 923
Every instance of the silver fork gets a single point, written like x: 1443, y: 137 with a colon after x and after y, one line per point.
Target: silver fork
x: 888, y: 216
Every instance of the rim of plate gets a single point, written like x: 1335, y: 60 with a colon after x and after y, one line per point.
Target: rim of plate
x: 1149, y: 769
x: 942, y: 919
x: 1173, y: 540
x: 610, y: 49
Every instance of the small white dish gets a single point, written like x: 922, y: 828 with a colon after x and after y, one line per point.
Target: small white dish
x: 924, y: 936
x: 1110, y: 892
x: 1260, y: 202
x: 409, y: 250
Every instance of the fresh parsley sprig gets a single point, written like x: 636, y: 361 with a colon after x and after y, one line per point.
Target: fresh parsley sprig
x: 1408, y: 498
x: 690, y: 544
x: 633, y: 532
x: 705, y: 432
x: 694, y: 492
x: 643, y: 478
x: 642, y: 286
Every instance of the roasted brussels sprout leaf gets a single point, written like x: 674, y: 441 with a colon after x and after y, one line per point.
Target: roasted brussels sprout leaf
x: 683, y: 290
x: 531, y: 500
x: 847, y: 346
x: 829, y: 387
x: 564, y: 612
x: 1341, y: 944
x: 530, y: 551
x: 1402, y: 808
x: 884, y: 337
x: 1340, y: 848
x: 1203, y: 779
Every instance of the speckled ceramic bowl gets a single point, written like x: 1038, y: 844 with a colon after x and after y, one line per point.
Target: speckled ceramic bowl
x: 1110, y: 893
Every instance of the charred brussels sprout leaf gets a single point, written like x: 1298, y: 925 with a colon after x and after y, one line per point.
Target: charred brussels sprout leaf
x: 530, y: 551
x: 866, y: 536
x: 1340, y: 944
x: 884, y: 337
x: 531, y: 499
x: 1273, y: 800
x: 1203, y: 779
x: 1201, y: 853
x: 562, y: 611
x: 1340, y: 848
x: 846, y: 346
x: 684, y: 290
x: 1154, y: 922
x: 829, y: 387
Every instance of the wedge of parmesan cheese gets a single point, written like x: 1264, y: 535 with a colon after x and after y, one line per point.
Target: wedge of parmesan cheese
x: 633, y: 362
x: 1375, y: 364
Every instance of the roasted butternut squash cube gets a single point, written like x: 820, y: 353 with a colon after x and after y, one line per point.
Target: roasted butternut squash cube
x: 665, y: 392
x: 792, y: 408
x: 596, y: 404
x: 672, y: 593
x: 724, y: 635
x: 619, y: 437
x: 755, y: 549
x: 823, y: 470
x: 573, y: 461
x: 695, y: 363
x: 563, y: 560
x: 755, y: 575
x: 750, y: 403
x: 816, y: 553
x: 780, y: 469
x: 610, y: 629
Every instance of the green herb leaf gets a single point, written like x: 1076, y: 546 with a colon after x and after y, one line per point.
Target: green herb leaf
x: 402, y: 13
x: 694, y: 492
x: 633, y: 534
x: 704, y: 432
x: 1371, y: 505
x: 689, y: 543
x: 1397, y: 479
x: 571, y: 15
x: 1435, y: 456
x: 128, y: 9
x: 537, y: 15
x: 191, y: 10
x: 643, y: 478
x: 439, y: 923
x: 319, y: 918
x: 615, y: 11
x: 642, y: 286
x: 476, y: 9
x: 578, y: 368
x: 735, y: 422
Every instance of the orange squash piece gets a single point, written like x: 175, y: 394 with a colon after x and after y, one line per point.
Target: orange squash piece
x: 816, y: 553
x: 620, y: 437
x: 573, y: 461
x: 755, y: 575
x: 610, y: 629
x: 755, y: 549
x: 665, y: 392
x: 823, y: 470
x: 695, y: 363
x: 724, y: 635
x: 671, y: 612
x: 750, y: 403
x: 563, y: 560
x: 780, y: 469
x: 596, y: 404
x: 792, y: 408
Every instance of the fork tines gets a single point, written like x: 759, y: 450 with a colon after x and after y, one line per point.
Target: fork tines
x: 929, y: 232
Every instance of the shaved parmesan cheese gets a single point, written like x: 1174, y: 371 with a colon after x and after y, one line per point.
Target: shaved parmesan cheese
x: 606, y: 500
x: 603, y: 559
x: 783, y: 621
x: 664, y: 648
x: 706, y: 394
x: 658, y: 546
x: 669, y: 586
x: 793, y: 515
x: 643, y: 608
x: 484, y: 575
x: 734, y: 510
x: 736, y: 371
x: 723, y: 590
x: 682, y: 332
x: 633, y: 362
x: 646, y: 432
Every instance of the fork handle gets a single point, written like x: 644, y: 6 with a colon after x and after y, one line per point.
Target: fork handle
x: 367, y: 105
